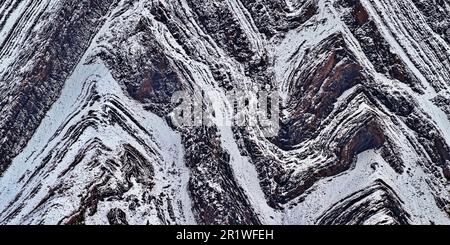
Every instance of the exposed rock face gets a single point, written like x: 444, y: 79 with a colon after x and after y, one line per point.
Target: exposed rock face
x: 360, y: 207
x: 86, y: 103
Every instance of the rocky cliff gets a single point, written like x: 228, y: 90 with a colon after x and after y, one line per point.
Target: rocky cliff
x: 87, y: 127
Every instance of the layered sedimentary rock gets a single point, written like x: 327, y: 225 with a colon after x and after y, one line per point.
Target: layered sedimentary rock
x: 87, y: 127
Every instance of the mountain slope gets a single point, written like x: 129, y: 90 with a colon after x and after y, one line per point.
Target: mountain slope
x: 89, y: 136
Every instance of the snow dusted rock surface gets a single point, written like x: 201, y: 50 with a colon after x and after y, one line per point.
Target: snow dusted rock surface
x: 87, y: 133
